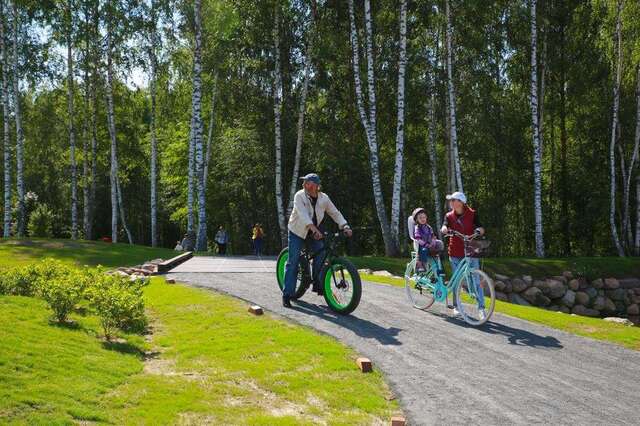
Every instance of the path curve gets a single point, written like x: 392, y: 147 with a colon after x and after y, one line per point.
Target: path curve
x: 443, y: 372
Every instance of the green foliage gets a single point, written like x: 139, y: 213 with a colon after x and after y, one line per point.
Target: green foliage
x: 62, y: 294
x: 41, y: 222
x: 118, y: 302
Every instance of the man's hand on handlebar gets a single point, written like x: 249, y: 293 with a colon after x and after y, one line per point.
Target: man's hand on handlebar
x: 317, y: 235
x: 347, y: 231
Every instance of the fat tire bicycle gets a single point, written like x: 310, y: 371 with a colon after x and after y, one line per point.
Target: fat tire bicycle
x: 338, y: 280
x: 425, y: 288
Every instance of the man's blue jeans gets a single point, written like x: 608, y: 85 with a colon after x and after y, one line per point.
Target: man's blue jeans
x: 474, y: 263
x: 296, y: 244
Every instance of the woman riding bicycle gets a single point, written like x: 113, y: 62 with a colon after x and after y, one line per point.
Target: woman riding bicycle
x: 309, y: 208
x: 463, y: 219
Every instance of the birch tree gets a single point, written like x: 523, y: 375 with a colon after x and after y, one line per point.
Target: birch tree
x: 437, y: 207
x: 635, y: 153
x: 614, y: 128
x: 368, y: 120
x: 537, y: 154
x: 5, y: 133
x: 196, y: 122
x: 121, y: 209
x: 70, y: 110
x: 154, y: 144
x: 86, y: 170
x: 19, y: 131
x: 453, y: 130
x: 277, y: 112
x: 399, y: 157
x: 300, y: 126
x: 632, y: 164
x: 113, y: 174
x: 212, y: 116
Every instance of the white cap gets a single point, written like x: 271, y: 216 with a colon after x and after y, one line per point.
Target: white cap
x: 458, y: 196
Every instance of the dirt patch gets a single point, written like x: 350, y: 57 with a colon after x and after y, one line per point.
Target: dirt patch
x: 196, y: 419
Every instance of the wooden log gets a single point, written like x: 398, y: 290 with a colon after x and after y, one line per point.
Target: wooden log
x: 255, y: 310
x: 364, y: 364
x: 398, y: 421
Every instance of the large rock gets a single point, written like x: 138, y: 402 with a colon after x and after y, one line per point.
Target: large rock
x: 592, y: 292
x: 518, y: 285
x: 584, y: 311
x: 559, y: 308
x: 567, y: 274
x: 617, y: 295
x: 560, y: 278
x: 556, y: 288
x: 582, y: 298
x: 536, y: 297
x: 500, y: 277
x: 574, y: 284
x: 502, y: 296
x: 598, y: 283
x: 569, y: 298
x: 609, y: 306
x: 518, y: 299
x: 584, y: 284
x: 528, y: 279
x: 611, y: 283
x: 508, y: 288
x: 630, y: 283
x: 542, y: 285
x: 499, y: 285
x: 617, y: 320
x: 635, y: 299
x: 599, y: 303
x: 633, y: 309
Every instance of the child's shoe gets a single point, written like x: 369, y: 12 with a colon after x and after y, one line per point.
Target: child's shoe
x: 420, y: 267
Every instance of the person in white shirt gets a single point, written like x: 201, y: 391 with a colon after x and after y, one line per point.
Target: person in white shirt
x: 305, y: 222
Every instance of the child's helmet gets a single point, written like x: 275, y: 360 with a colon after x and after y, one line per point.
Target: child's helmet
x: 416, y: 212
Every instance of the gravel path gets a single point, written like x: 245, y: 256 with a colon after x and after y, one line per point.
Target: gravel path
x: 507, y: 372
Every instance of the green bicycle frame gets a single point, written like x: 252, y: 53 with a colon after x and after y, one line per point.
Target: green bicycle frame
x: 439, y: 288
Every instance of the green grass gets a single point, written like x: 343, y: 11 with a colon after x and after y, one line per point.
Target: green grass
x: 16, y: 252
x: 215, y: 362
x: 590, y: 267
x: 594, y: 328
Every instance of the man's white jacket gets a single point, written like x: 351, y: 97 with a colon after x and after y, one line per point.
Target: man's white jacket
x: 302, y: 214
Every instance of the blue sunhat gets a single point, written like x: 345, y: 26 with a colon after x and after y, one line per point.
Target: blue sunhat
x: 311, y: 177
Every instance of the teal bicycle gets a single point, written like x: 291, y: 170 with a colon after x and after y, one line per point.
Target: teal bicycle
x: 472, y: 289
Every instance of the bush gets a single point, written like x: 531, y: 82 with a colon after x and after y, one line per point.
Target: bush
x: 119, y: 303
x: 63, y: 293
x: 19, y: 281
x: 41, y: 222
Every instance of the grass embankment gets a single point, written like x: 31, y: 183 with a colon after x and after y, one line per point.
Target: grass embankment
x: 207, y: 361
x: 594, y: 328
x: 590, y: 267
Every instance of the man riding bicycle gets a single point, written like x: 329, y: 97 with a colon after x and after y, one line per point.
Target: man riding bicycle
x: 305, y: 223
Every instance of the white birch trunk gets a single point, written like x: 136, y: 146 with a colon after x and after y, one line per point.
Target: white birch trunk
x: 113, y: 175
x: 537, y: 160
x: 196, y: 105
x: 637, y: 239
x: 300, y: 128
x: 154, y: 143
x: 277, y: 112
x: 399, y: 160
x: 452, y: 102
x: 614, y: 127
x: 72, y: 136
x: 86, y: 199
x: 121, y: 208
x: 19, y: 131
x: 369, y: 121
x: 212, y: 121
x: 6, y: 233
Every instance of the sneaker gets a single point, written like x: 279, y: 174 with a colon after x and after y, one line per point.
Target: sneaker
x: 420, y: 268
x: 482, y: 315
x: 456, y: 312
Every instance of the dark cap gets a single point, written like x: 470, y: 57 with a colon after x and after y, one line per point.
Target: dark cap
x: 311, y: 177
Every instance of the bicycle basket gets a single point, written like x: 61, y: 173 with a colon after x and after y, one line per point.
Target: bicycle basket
x: 478, y: 248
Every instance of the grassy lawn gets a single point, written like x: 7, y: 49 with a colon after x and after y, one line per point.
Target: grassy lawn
x: 591, y: 267
x: 15, y: 252
x: 207, y: 361
x: 595, y: 328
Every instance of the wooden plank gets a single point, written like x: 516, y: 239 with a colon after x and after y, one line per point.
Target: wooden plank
x: 174, y: 261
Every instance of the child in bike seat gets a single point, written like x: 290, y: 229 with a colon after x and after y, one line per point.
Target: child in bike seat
x: 426, y: 239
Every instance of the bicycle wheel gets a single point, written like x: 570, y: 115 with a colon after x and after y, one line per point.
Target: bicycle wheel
x: 342, y: 286
x: 418, y: 287
x: 301, y: 283
x: 476, y: 297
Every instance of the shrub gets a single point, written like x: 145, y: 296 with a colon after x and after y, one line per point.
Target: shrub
x: 41, y: 222
x: 19, y: 281
x: 119, y: 303
x: 63, y: 293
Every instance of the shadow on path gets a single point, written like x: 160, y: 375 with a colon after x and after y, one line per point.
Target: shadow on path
x: 515, y: 336
x: 361, y: 327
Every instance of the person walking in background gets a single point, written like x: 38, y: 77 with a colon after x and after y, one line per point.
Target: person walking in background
x: 257, y: 237
x: 222, y: 239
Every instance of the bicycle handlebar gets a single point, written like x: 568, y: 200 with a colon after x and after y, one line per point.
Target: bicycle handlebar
x: 466, y: 238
